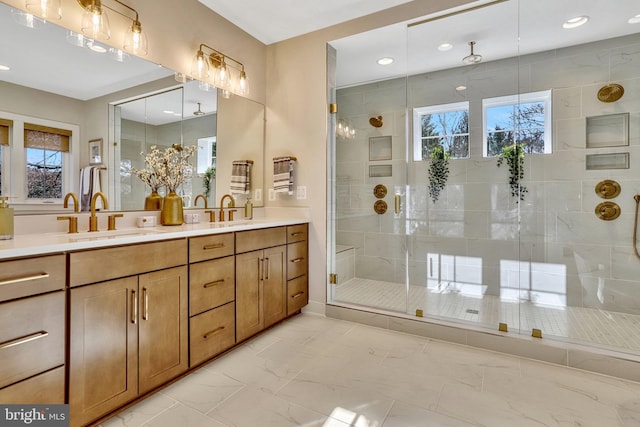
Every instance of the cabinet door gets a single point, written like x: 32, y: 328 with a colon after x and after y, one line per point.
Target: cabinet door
x: 249, y: 316
x: 274, y: 285
x: 163, y: 342
x: 103, y: 359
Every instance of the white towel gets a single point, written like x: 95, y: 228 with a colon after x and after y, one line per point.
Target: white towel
x: 240, y: 177
x: 283, y: 174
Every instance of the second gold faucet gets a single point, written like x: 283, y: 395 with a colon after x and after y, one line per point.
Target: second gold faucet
x: 93, y: 219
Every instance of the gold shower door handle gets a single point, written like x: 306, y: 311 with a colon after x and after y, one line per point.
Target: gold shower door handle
x: 397, y: 204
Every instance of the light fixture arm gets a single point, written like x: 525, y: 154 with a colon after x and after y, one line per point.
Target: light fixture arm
x: 217, y: 58
x: 97, y: 4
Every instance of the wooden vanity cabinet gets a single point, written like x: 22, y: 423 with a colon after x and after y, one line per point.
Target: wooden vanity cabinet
x: 261, y: 297
x: 211, y: 296
x: 297, y: 268
x: 128, y: 335
x: 32, y: 330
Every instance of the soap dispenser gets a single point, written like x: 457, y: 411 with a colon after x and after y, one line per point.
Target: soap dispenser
x: 6, y: 219
x: 248, y: 209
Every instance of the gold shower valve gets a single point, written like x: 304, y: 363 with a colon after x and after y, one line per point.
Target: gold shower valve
x: 608, y: 189
x: 608, y: 211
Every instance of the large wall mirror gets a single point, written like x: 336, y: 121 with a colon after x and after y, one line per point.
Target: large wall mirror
x: 117, y: 106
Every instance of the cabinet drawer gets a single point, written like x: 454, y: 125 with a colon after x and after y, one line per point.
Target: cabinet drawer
x: 296, y: 259
x: 297, y: 294
x: 296, y: 233
x: 251, y: 240
x: 46, y: 388
x: 31, y: 336
x: 212, y: 333
x: 210, y: 247
x: 31, y: 276
x: 211, y: 284
x: 99, y: 265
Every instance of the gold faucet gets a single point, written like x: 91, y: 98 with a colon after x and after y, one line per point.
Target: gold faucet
x: 232, y: 204
x: 76, y: 207
x: 93, y: 219
x: 206, y: 204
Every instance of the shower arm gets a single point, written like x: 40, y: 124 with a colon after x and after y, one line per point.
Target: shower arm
x: 635, y: 226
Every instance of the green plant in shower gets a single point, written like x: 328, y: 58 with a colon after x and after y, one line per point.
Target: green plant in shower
x: 514, y: 156
x: 438, y: 171
x: 207, y: 177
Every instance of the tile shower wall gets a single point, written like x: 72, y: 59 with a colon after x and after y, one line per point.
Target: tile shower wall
x: 551, y: 246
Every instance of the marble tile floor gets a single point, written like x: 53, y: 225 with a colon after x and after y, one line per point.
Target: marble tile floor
x: 610, y: 330
x: 316, y: 371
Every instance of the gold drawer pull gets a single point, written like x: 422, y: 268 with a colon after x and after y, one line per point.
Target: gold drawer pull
x: 297, y: 259
x: 214, y: 246
x: 210, y: 284
x: 214, y: 332
x: 297, y: 233
x: 23, y: 340
x: 24, y: 279
x: 299, y: 294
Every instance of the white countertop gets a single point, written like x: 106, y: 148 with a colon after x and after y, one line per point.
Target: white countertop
x: 55, y: 242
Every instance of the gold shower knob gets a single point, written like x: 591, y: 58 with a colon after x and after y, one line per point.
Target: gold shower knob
x: 608, y: 211
x: 608, y: 189
x: 380, y: 207
x: 380, y: 191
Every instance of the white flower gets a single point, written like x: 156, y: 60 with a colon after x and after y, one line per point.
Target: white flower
x: 170, y: 167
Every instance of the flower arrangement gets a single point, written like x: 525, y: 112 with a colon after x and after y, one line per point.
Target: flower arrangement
x: 169, y: 168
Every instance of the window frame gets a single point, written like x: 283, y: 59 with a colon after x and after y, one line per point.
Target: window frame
x: 521, y: 98
x: 15, y: 170
x: 418, y: 112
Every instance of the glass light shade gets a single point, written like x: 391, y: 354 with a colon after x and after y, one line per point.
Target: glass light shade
x: 222, y: 78
x: 26, y: 19
x: 118, y: 55
x: 46, y: 9
x: 207, y: 87
x: 243, y: 84
x: 95, y: 24
x: 135, y: 41
x: 200, y: 67
x: 76, y: 39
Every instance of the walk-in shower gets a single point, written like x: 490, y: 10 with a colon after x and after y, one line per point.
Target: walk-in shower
x: 530, y: 245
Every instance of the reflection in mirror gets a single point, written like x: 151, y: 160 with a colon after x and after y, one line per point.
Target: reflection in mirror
x: 72, y: 90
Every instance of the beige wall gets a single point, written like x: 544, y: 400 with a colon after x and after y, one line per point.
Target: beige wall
x: 297, y: 119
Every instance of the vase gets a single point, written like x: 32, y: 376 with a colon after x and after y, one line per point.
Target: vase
x: 172, y: 213
x: 153, y: 202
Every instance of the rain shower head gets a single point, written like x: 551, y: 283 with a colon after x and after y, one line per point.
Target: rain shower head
x: 199, y: 112
x: 472, y: 58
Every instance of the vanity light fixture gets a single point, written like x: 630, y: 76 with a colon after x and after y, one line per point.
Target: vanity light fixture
x: 445, y: 47
x: 575, y: 22
x: 95, y: 25
x: 634, y: 19
x: 45, y: 9
x: 385, y: 61
x: 472, y: 58
x: 223, y: 69
x: 26, y: 19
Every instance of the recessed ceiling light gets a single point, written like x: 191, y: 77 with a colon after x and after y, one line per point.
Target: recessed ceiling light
x: 461, y: 88
x: 445, y: 47
x: 634, y: 19
x: 385, y: 61
x: 168, y: 111
x: 4, y: 68
x: 575, y: 22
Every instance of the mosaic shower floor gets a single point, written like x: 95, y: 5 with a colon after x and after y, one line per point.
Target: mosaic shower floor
x: 618, y: 331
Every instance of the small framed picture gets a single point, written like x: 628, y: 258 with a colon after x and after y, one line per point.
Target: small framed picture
x: 95, y: 151
x: 380, y: 148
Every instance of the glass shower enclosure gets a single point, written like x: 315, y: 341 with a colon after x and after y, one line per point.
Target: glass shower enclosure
x: 490, y: 181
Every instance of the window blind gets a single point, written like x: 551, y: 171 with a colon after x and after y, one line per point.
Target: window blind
x: 46, y: 138
x: 5, y: 125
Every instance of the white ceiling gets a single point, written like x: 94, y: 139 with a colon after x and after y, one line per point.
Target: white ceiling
x: 271, y: 21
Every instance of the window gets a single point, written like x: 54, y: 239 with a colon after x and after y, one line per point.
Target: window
x: 206, y: 157
x: 523, y: 119
x: 37, y: 160
x: 445, y: 125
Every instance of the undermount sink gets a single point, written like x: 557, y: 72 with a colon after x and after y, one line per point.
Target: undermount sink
x: 101, y: 235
